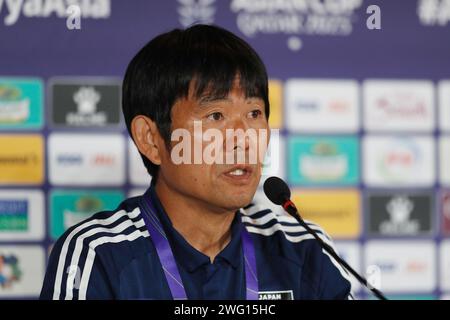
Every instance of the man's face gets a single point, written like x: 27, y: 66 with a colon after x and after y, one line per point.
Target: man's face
x: 219, y: 186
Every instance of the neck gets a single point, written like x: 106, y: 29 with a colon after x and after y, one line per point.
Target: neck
x: 206, y: 230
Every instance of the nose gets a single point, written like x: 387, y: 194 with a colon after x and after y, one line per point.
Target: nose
x: 237, y: 136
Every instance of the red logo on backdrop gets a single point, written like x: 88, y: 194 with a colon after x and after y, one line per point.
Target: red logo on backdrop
x: 339, y: 106
x: 104, y: 160
x: 404, y: 159
x: 446, y: 212
x: 402, y: 105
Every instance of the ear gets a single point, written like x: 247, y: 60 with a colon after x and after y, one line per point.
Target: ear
x: 147, y: 138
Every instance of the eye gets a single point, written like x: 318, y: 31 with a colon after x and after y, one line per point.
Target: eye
x: 215, y: 116
x: 255, y: 113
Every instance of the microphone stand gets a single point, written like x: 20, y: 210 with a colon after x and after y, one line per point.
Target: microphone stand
x: 290, y: 208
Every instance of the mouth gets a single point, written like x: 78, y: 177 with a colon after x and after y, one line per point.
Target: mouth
x: 240, y: 174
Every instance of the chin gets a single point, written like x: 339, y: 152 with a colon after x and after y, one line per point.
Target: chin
x: 240, y: 201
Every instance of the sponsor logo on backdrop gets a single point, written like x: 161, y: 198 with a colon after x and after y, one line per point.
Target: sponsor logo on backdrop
x: 86, y: 99
x: 21, y: 215
x: 86, y: 159
x: 295, y: 18
x: 391, y: 161
x: 444, y: 252
x: 21, y: 159
x: 15, y: 108
x: 22, y: 271
x: 68, y: 208
x: 322, y: 105
x: 85, y: 102
x: 276, y: 104
x: 323, y: 161
x: 433, y: 12
x: 336, y: 211
x: 20, y: 103
x: 77, y: 159
x: 391, y: 105
x: 444, y: 166
x: 10, y: 271
x: 406, y: 266
x: 16, y: 10
x: 196, y: 11
x: 400, y: 214
x: 13, y: 215
x: 445, y: 196
x: 444, y: 105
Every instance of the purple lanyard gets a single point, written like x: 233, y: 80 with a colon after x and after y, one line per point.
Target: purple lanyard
x: 170, y: 267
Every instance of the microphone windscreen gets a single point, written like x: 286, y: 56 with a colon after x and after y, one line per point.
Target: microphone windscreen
x: 276, y: 190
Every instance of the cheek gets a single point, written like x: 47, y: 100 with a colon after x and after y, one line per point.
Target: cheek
x: 191, y: 175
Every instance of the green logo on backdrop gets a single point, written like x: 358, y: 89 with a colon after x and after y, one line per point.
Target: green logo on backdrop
x: 321, y: 161
x: 69, y: 208
x: 21, y: 103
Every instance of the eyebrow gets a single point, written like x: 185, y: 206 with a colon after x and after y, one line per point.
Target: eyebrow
x: 204, y: 100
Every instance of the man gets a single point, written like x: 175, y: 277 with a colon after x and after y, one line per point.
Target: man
x: 193, y: 234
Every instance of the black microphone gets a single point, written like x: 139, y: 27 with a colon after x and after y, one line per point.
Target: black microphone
x: 278, y: 192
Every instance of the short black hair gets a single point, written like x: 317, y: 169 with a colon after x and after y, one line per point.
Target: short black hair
x: 162, y: 71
